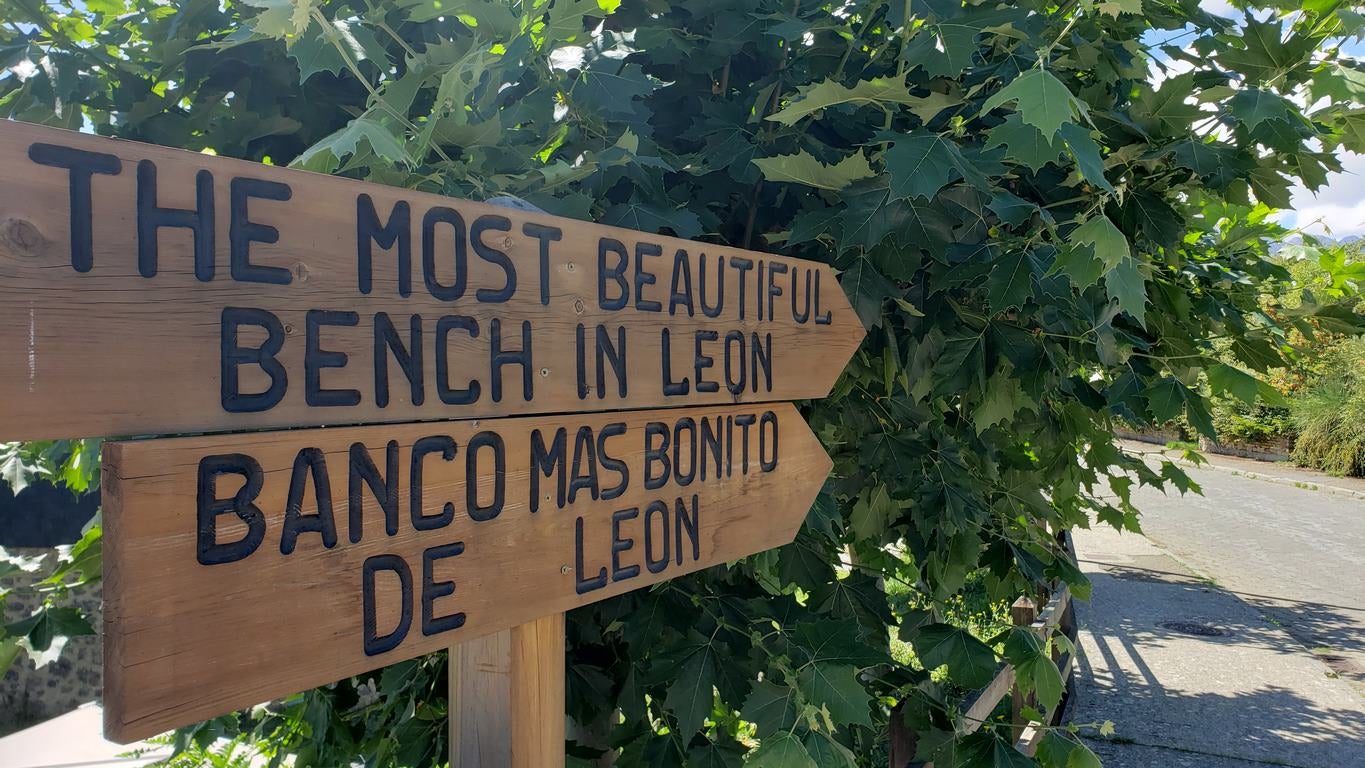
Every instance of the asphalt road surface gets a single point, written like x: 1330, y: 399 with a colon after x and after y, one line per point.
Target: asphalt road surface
x: 1297, y: 555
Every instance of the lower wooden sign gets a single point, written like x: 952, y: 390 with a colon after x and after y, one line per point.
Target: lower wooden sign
x: 241, y: 568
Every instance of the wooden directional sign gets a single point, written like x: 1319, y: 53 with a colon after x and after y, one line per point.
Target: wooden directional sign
x: 149, y: 290
x: 240, y: 568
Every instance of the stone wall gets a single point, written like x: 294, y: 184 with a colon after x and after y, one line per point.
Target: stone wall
x: 29, y: 695
x: 39, y: 519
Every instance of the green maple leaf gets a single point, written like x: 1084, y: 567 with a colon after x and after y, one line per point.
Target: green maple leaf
x: 1087, y: 154
x: 835, y: 687
x: 872, y: 513
x: 326, y: 155
x: 828, y: 753
x: 1224, y: 379
x: 565, y: 23
x: 314, y: 53
x: 652, y: 218
x: 1338, y: 81
x: 829, y: 93
x: 1026, y: 144
x: 1004, y: 398
x: 1169, y: 107
x: 926, y: 108
x: 835, y: 642
x: 1125, y: 283
x: 1010, y: 282
x: 1266, y: 53
x: 803, y: 168
x: 280, y: 19
x: 780, y: 750
x: 1041, y: 99
x: 1116, y: 7
x: 1253, y: 106
x: 770, y: 707
x: 1106, y: 241
x: 971, y: 663
x: 1166, y: 400
x: 921, y: 163
x: 944, y: 48
x: 692, y: 693
x: 1012, y: 209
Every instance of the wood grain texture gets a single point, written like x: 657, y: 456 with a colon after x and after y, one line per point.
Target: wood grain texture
x: 507, y: 697
x: 185, y: 641
x: 110, y: 351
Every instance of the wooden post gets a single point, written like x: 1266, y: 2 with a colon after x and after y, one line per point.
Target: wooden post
x: 1023, y: 613
x: 507, y: 698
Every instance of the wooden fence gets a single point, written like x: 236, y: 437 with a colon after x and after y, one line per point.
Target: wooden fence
x: 1057, y: 614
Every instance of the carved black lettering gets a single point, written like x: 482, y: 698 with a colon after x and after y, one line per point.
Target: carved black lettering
x: 474, y: 479
x: 702, y: 361
x: 734, y: 340
x: 502, y: 357
x: 710, y: 441
x: 761, y: 361
x: 445, y: 446
x: 384, y: 488
x: 408, y: 357
x: 685, y: 446
x: 671, y: 388
x: 545, y: 235
x: 442, y: 215
x: 448, y: 394
x: 374, y: 642
x: 656, y: 455
x: 767, y: 443
x: 607, y: 352
x: 210, y: 507
x: 774, y: 290
x: 801, y: 315
x: 432, y: 589
x: 315, y: 359
x: 658, y: 509
x: 310, y: 462
x: 151, y: 217
x: 618, y: 545
x: 584, y: 474
x: 549, y: 463
x: 743, y: 265
x: 689, y: 523
x: 80, y: 165
x: 494, y: 256
x: 680, y: 289
x: 820, y: 318
x: 611, y: 463
x: 744, y: 421
x: 369, y: 232
x: 232, y: 355
x: 644, y: 277
x: 711, y: 310
x: 616, y: 274
x: 242, y: 231
x: 581, y: 585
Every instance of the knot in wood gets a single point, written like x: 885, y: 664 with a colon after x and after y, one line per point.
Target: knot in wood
x: 23, y: 236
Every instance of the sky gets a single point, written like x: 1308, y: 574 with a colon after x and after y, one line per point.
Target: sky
x: 1338, y: 208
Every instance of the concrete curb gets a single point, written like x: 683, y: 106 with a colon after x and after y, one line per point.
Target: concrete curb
x: 1212, y: 463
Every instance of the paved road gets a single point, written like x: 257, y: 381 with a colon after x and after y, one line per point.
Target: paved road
x: 1297, y: 555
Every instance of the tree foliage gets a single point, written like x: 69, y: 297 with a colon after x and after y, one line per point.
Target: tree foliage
x: 1047, y: 215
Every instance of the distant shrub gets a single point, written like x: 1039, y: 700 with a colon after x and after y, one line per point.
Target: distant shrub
x: 1330, y: 414
x: 1259, y: 423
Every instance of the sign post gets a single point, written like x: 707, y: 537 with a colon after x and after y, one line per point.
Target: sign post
x: 536, y: 413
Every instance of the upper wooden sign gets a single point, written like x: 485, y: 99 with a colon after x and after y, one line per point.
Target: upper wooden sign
x: 150, y: 290
x: 241, y: 568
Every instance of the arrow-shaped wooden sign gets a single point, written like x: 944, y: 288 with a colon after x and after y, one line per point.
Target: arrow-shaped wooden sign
x: 241, y: 568
x: 148, y: 290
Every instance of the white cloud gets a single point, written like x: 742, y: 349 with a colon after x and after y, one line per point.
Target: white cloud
x: 1338, y: 208
x: 1220, y: 8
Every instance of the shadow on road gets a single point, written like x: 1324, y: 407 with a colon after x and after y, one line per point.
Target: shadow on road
x: 1319, y: 626
x: 1192, y: 675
